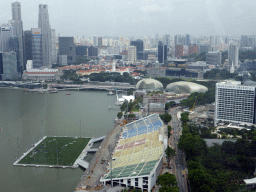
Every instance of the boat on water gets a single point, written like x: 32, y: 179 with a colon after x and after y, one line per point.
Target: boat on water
x: 53, y: 90
x: 68, y: 93
x: 110, y: 93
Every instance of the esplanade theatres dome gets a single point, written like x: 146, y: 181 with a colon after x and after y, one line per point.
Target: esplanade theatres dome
x: 183, y: 87
x: 150, y: 84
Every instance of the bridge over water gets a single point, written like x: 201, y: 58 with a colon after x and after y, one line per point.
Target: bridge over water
x: 93, y: 87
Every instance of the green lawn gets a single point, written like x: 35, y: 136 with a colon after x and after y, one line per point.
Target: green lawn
x: 67, y: 149
x: 135, y: 109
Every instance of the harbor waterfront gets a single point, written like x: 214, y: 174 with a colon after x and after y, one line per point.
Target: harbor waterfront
x: 26, y: 117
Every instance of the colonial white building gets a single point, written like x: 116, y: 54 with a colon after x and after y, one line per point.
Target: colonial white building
x: 42, y: 74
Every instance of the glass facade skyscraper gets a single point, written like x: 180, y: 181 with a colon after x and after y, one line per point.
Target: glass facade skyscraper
x: 18, y: 32
x: 44, y: 25
x: 37, y: 56
x: 162, y: 52
x: 8, y: 66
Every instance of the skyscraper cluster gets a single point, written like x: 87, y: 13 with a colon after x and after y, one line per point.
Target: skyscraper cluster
x: 37, y: 44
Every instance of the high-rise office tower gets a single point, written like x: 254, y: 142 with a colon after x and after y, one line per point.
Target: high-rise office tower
x: 139, y: 47
x: 44, y: 25
x: 187, y: 39
x: 99, y: 42
x: 179, y: 51
x: 204, y: 48
x: 192, y: 49
x: 167, y: 40
x: 162, y: 52
x: 243, y: 41
x: 176, y: 39
x: 18, y: 32
x: 226, y: 40
x: 54, y: 49
x: 28, y: 45
x: 81, y: 50
x: 93, y: 51
x: 37, y: 52
x: 68, y: 47
x: 94, y: 40
x: 132, y: 54
x: 6, y: 32
x: 233, y: 54
x: 213, y: 58
x: 8, y: 66
x: 234, y: 102
x: 156, y: 40
x: 250, y: 42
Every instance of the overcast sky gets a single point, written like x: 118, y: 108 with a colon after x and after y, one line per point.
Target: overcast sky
x: 140, y: 17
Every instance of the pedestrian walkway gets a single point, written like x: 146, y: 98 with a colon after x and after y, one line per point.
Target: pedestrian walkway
x: 91, y: 177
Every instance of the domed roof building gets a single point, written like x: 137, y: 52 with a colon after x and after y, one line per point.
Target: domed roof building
x: 183, y: 87
x: 150, y: 84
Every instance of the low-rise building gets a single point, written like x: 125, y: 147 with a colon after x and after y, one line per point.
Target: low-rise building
x: 213, y: 58
x: 42, y: 74
x: 199, y: 65
x: 154, y: 99
x: 157, y: 72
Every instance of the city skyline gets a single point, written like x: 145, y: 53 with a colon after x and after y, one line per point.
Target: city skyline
x: 140, y: 18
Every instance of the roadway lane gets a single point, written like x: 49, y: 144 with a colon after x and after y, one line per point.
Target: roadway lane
x: 178, y: 163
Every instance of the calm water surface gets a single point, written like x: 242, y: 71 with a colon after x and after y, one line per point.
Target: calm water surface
x: 26, y: 117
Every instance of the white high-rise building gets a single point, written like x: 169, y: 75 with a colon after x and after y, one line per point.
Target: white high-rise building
x: 235, y: 102
x: 233, y: 54
x: 132, y: 54
x: 44, y: 25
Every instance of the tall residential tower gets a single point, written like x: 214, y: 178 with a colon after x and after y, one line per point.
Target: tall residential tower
x: 233, y: 54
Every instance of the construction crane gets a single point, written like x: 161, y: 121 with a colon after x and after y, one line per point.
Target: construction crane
x: 193, y: 105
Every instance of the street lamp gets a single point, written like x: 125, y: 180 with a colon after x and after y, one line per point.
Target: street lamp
x: 18, y: 147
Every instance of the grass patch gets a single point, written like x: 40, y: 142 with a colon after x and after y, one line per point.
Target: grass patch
x: 135, y: 109
x: 67, y: 149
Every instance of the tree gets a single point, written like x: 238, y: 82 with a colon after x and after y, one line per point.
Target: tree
x: 200, y: 181
x: 166, y: 180
x: 192, y: 145
x: 166, y: 118
x: 170, y: 104
x: 119, y: 115
x: 170, y: 152
x: 169, y: 189
x: 130, y: 92
x: 184, y: 117
x: 131, y: 116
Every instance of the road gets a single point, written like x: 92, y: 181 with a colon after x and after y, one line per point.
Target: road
x: 178, y: 163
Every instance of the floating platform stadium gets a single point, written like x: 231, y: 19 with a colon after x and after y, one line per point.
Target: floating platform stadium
x: 58, y: 152
x: 138, y: 155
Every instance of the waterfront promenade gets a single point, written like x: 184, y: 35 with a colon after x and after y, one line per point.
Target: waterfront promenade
x: 91, y: 177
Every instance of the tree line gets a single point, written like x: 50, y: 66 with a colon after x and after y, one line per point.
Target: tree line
x: 200, y: 98
x: 217, y: 168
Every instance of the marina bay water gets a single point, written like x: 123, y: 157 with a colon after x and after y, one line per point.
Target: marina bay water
x: 25, y: 117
